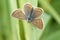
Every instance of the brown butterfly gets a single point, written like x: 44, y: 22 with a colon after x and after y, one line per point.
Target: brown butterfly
x: 31, y: 15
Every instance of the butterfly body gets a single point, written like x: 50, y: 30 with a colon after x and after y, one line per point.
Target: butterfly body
x: 30, y: 15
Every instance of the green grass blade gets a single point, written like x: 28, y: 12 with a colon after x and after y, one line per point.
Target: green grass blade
x: 21, y: 26
x: 0, y: 20
x: 14, y: 21
x: 50, y: 9
x: 5, y: 21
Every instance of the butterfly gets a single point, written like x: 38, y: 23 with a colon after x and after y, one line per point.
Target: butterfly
x: 30, y: 14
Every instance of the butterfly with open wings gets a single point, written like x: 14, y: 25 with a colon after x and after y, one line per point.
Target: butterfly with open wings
x: 31, y: 15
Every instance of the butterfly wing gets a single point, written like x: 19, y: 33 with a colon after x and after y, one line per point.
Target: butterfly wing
x: 38, y: 23
x: 37, y: 12
x: 27, y: 9
x: 19, y: 14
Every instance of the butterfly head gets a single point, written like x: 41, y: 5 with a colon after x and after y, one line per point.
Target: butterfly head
x: 29, y: 19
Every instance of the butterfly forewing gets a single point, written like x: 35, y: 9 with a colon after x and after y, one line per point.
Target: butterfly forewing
x: 19, y: 14
x: 38, y: 23
x: 37, y: 12
x: 27, y: 8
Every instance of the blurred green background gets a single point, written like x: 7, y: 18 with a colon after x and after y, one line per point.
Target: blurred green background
x: 15, y: 29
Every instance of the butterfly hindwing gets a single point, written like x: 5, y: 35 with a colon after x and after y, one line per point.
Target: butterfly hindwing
x: 19, y: 14
x: 37, y: 12
x: 38, y: 23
